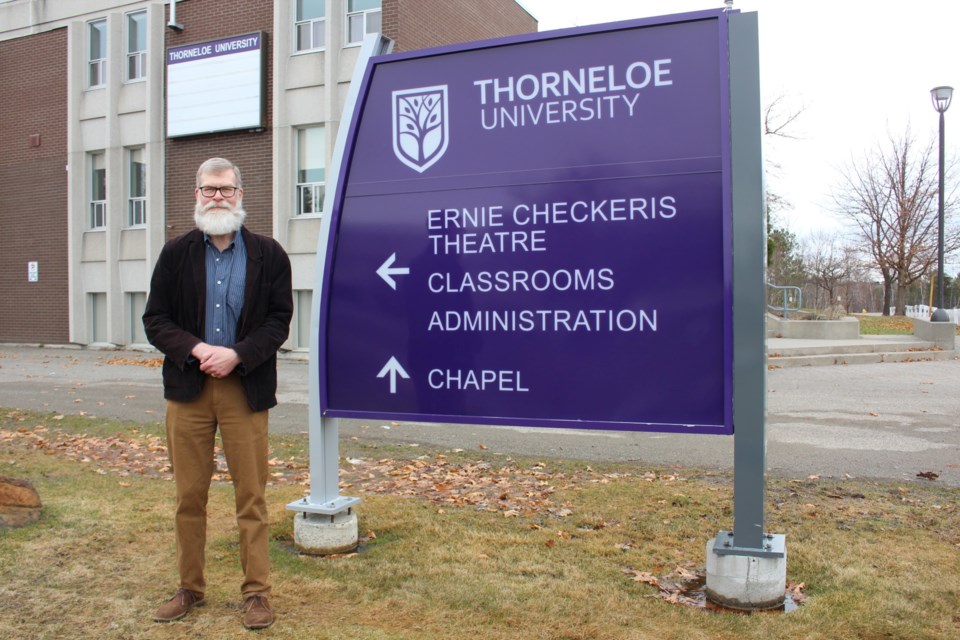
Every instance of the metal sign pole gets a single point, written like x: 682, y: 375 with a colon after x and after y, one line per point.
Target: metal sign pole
x: 749, y: 238
x: 746, y: 567
x: 325, y: 498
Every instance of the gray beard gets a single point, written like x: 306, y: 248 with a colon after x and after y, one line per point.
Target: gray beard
x: 218, y: 219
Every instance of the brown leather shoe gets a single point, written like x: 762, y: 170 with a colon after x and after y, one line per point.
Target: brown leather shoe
x: 257, y: 613
x: 178, y: 606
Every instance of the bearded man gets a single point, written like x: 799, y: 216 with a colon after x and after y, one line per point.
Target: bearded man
x: 219, y: 308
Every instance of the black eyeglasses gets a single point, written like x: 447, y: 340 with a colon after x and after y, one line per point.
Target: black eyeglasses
x: 226, y: 192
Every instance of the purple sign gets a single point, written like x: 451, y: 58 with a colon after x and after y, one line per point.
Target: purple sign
x: 535, y: 231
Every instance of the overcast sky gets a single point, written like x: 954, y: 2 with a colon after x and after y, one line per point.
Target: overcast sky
x: 860, y: 69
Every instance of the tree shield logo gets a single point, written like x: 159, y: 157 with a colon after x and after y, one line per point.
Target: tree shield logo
x: 420, y: 126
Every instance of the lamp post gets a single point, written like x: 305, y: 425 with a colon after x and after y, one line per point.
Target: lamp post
x: 941, y: 102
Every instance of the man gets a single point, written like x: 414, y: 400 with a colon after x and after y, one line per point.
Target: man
x: 219, y: 308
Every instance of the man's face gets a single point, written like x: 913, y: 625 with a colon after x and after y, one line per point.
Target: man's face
x: 225, y: 179
x: 217, y: 214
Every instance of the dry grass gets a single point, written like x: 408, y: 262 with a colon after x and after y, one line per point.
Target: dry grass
x: 878, y: 560
x: 887, y: 325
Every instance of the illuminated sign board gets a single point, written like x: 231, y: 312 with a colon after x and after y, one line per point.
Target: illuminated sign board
x: 216, y: 86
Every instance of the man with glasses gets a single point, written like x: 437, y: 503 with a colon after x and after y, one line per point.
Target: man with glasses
x: 219, y: 308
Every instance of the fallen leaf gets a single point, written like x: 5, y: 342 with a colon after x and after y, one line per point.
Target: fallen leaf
x: 644, y: 577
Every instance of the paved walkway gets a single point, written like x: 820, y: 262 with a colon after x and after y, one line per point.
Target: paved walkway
x: 890, y: 420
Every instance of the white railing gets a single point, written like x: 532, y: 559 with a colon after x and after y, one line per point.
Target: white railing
x: 923, y: 311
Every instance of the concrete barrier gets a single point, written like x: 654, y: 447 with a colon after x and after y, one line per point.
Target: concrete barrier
x: 842, y: 329
x: 944, y: 334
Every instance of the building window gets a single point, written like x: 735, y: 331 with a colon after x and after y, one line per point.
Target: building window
x: 98, y: 191
x: 137, y: 196
x: 311, y: 182
x: 137, y: 45
x: 301, y: 331
x: 136, y: 303
x: 309, y: 24
x: 97, y: 32
x: 363, y: 17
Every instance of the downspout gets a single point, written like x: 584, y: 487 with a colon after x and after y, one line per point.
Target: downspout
x: 173, y: 24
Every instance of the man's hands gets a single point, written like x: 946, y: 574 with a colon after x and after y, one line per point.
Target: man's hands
x: 217, y: 362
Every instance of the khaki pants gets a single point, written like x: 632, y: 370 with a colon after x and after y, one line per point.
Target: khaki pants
x: 191, y: 431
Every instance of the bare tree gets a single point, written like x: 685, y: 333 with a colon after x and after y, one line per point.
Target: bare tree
x: 784, y: 264
x: 891, y: 197
x: 779, y: 121
x: 830, y: 266
x: 779, y: 118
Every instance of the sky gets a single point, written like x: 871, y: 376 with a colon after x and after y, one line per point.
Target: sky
x: 860, y: 71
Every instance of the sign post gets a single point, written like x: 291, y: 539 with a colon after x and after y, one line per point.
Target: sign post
x: 326, y: 523
x: 541, y: 231
x: 747, y: 567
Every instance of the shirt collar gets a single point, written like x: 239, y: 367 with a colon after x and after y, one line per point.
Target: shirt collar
x: 233, y: 242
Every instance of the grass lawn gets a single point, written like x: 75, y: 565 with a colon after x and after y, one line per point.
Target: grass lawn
x: 886, y: 325
x: 462, y: 544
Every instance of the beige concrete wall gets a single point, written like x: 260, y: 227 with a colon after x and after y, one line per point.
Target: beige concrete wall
x: 842, y: 329
x: 944, y: 334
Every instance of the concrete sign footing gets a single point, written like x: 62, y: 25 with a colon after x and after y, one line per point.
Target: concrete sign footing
x: 320, y: 535
x: 743, y: 581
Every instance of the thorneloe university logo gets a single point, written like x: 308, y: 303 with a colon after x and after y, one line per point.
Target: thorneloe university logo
x: 420, y: 126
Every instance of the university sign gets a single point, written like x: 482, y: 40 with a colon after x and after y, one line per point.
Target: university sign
x: 231, y: 69
x: 563, y: 229
x: 536, y: 231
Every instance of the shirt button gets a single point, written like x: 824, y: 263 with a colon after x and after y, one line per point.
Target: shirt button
x: 218, y: 305
x: 218, y: 330
x: 219, y: 281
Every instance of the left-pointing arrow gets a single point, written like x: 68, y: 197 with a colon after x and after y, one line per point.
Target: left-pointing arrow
x: 387, y: 271
x: 394, y: 369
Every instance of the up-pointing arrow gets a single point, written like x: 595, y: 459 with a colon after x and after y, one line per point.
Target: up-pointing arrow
x: 387, y: 271
x: 394, y: 369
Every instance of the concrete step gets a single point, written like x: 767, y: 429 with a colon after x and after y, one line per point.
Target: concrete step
x: 784, y: 362
x: 782, y: 353
x: 784, y: 347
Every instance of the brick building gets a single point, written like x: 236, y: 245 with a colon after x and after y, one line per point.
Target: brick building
x: 91, y: 180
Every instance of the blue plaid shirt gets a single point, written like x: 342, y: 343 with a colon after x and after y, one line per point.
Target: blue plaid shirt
x: 226, y: 277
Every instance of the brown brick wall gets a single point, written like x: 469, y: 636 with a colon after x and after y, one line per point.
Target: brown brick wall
x: 33, y: 188
x: 418, y: 24
x: 251, y: 151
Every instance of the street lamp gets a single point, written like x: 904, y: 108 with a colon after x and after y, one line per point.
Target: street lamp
x: 941, y: 102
